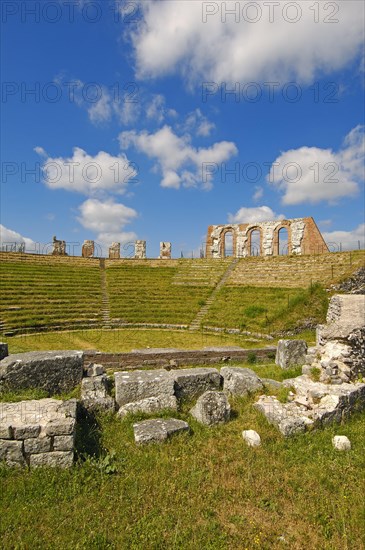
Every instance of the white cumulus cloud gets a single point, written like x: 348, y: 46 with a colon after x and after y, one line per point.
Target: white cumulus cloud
x: 108, y: 220
x: 254, y: 215
x: 88, y: 174
x: 311, y: 175
x: 345, y: 240
x: 9, y: 237
x: 179, y: 162
x: 260, y: 41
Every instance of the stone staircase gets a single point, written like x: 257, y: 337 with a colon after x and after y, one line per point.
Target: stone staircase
x: 105, y: 307
x: 196, y: 323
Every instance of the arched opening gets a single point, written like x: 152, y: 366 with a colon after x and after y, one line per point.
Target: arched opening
x: 283, y: 241
x: 255, y: 243
x: 228, y: 244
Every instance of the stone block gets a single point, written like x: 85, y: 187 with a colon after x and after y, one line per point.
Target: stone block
x: 37, y: 445
x: 52, y: 371
x: 12, y: 452
x: 63, y: 443
x: 64, y: 426
x: 95, y: 370
x: 240, y: 381
x: 190, y: 383
x: 26, y: 431
x: 211, y: 408
x: 341, y: 443
x: 252, y: 438
x: 95, y: 394
x: 291, y: 353
x: 6, y: 431
x: 158, y: 430
x: 138, y: 385
x: 149, y: 405
x: 54, y: 459
x: 271, y: 385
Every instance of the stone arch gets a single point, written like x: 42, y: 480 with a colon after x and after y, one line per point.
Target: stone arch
x: 285, y: 224
x: 226, y: 231
x: 254, y: 241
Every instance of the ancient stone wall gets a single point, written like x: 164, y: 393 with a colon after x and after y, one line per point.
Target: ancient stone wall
x: 140, y: 250
x: 304, y: 237
x: 88, y: 249
x: 114, y: 251
x: 59, y: 247
x: 165, y: 251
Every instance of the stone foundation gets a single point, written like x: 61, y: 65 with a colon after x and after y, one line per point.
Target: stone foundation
x: 38, y: 433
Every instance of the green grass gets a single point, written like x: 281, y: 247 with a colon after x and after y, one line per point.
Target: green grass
x: 120, y: 340
x: 48, y: 295
x: 206, y: 490
x: 145, y: 294
x: 267, y: 310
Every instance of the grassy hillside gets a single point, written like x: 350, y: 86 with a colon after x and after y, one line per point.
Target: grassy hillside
x: 267, y: 310
x: 260, y: 294
x: 52, y: 294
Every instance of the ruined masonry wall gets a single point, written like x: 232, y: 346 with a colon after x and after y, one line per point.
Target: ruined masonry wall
x: 304, y: 237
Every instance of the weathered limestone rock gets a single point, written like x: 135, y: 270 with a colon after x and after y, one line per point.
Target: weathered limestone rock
x: 149, y: 405
x: 252, y: 438
x: 165, y: 251
x: 59, y: 248
x: 4, y: 350
x: 193, y: 382
x: 54, y: 459
x: 312, y: 405
x: 137, y: 385
x: 114, y: 251
x: 52, y: 371
x: 240, y: 381
x: 12, y: 452
x: 289, y: 418
x: 212, y: 408
x: 95, y: 394
x: 341, y: 443
x: 94, y: 370
x: 271, y: 384
x: 158, y: 430
x: 291, y: 353
x: 341, y: 343
x: 140, y: 250
x: 88, y: 249
x: 38, y: 432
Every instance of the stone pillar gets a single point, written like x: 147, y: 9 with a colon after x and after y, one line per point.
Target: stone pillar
x: 165, y: 251
x: 59, y: 247
x: 88, y: 249
x: 114, y: 251
x: 140, y: 250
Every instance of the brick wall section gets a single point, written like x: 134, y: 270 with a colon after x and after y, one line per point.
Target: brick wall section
x: 162, y: 358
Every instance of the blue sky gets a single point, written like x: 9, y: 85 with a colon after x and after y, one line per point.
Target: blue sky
x: 132, y: 129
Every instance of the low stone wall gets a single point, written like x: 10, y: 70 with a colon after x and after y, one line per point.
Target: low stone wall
x: 52, y: 371
x: 156, y: 357
x: 38, y: 433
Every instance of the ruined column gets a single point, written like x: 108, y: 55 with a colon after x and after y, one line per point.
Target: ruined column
x: 59, y: 247
x: 88, y: 249
x: 165, y: 251
x: 114, y: 251
x: 140, y: 250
